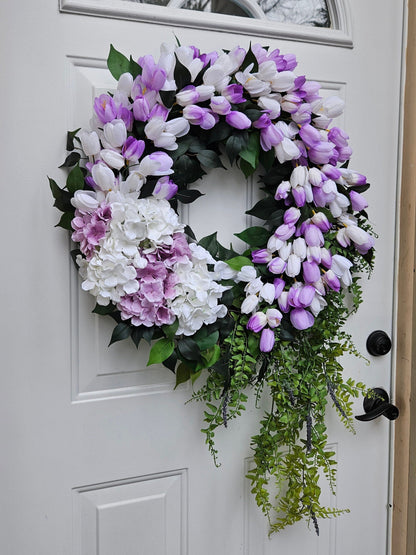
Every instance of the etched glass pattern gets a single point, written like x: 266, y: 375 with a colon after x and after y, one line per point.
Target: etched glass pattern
x: 300, y: 12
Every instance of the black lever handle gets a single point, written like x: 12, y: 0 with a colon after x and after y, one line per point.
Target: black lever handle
x: 377, y: 405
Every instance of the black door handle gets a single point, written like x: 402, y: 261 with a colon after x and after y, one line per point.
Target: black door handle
x: 377, y: 405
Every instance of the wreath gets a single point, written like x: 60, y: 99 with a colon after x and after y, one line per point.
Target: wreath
x: 270, y: 318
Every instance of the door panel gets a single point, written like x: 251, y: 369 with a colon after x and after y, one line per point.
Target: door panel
x: 101, y: 454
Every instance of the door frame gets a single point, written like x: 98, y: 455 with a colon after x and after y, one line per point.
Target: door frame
x: 404, y: 458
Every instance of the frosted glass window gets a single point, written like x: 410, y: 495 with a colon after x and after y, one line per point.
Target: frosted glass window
x: 301, y: 12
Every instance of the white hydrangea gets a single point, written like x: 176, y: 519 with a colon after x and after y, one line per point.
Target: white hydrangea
x: 196, y: 302
x: 111, y: 272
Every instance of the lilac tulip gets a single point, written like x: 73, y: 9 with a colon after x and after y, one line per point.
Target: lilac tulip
x: 105, y: 108
x: 261, y: 256
x: 291, y: 216
x: 267, y: 340
x: 165, y: 188
x: 303, y: 114
x: 313, y: 236
x: 267, y: 292
x: 279, y: 285
x: 313, y: 254
x: 282, y: 190
x: 283, y: 301
x: 301, y: 319
x: 315, y: 177
x: 234, y: 94
x: 141, y: 109
x: 310, y: 136
x: 338, y: 137
x: 132, y: 149
x: 153, y: 77
x: 326, y: 258
x: 332, y: 280
x: 286, y: 150
x: 320, y: 220
x: 103, y: 176
x: 341, y: 267
x: 321, y: 153
x: 352, y: 177
x: 188, y: 95
x: 299, y: 196
x: 220, y: 105
x: 274, y: 244
x: 333, y: 106
x: 285, y: 250
x: 285, y: 231
x: 270, y: 137
x: 113, y: 159
x: 365, y: 247
x: 311, y: 272
x: 276, y: 266
x: 299, y: 247
x: 356, y: 234
x: 306, y: 295
x: 200, y: 116
x: 238, y: 120
x: 257, y: 322
x: 358, y: 202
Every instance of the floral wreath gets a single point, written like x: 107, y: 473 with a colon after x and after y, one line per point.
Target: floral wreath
x: 271, y: 317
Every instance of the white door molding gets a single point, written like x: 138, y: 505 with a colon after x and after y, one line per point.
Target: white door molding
x: 339, y: 35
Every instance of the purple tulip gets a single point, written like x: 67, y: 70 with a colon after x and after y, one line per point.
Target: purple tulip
x: 276, y: 266
x: 132, y: 148
x: 153, y: 77
x: 220, y: 105
x: 283, y: 301
x: 141, y: 109
x: 320, y: 220
x: 299, y: 196
x: 332, y: 280
x: 321, y: 153
x: 358, y: 202
x: 105, y: 108
x: 313, y: 236
x: 282, y: 190
x: 326, y: 258
x: 291, y: 216
x: 310, y: 135
x: 257, y: 322
x: 234, y: 94
x: 238, y: 120
x: 270, y: 136
x: 261, y: 256
x: 306, y: 295
x: 165, y: 188
x: 284, y: 231
x: 267, y: 340
x: 301, y: 319
x: 279, y: 285
x: 311, y: 272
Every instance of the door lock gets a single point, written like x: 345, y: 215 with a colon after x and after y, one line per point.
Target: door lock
x: 378, y: 343
x: 378, y: 404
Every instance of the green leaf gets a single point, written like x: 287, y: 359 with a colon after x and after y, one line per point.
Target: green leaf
x: 267, y: 158
x: 250, y: 59
x: 219, y: 133
x: 183, y: 373
x: 211, y: 356
x: 206, y: 340
x: 168, y: 98
x: 263, y: 209
x: 171, y: 361
x: 181, y: 75
x: 209, y: 159
x: 65, y: 221
x: 235, y: 144
x: 120, y: 332
x: 134, y: 68
x: 137, y: 335
x: 161, y: 350
x: 72, y: 159
x: 117, y: 63
x: 75, y: 180
x: 187, y: 196
x: 170, y: 330
x: 255, y: 236
x: 187, y: 170
x: 251, y: 152
x: 189, y: 349
x: 360, y: 188
x: 70, y: 139
x: 62, y: 198
x: 103, y: 310
x: 238, y: 262
x: 246, y: 168
x: 210, y: 243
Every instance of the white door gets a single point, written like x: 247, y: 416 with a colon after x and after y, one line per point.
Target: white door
x: 99, y: 454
